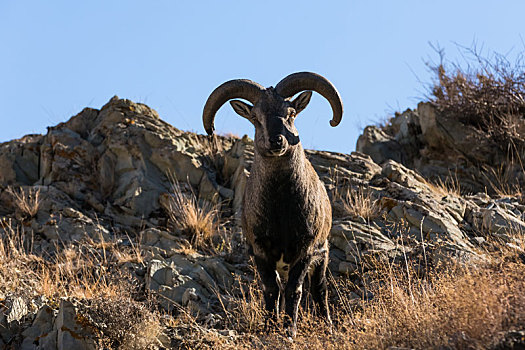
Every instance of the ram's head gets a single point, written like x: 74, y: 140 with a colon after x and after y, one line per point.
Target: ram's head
x: 273, y: 112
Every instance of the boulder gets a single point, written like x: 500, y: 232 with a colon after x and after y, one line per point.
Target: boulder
x: 40, y: 334
x: 379, y: 145
x: 70, y: 331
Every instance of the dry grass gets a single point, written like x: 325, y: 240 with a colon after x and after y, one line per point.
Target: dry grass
x: 85, y: 271
x: 89, y: 272
x: 200, y: 222
x: 503, y: 180
x: 20, y: 269
x: 27, y: 202
x: 244, y: 307
x: 76, y: 273
x: 360, y: 203
x: 455, y: 308
x: 449, y: 187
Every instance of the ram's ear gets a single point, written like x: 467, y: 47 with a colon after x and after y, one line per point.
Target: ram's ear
x: 301, y: 101
x: 242, y: 109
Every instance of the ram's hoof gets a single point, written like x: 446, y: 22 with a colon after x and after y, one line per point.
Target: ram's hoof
x: 291, y: 332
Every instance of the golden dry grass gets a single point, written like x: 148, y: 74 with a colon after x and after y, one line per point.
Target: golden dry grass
x: 201, y: 222
x: 360, y: 203
x: 448, y: 187
x: 26, y: 201
x: 85, y: 270
x: 456, y: 306
x: 19, y: 270
x: 503, y: 181
x: 88, y: 272
x: 244, y: 308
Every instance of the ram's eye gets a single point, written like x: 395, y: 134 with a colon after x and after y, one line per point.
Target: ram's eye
x: 292, y: 115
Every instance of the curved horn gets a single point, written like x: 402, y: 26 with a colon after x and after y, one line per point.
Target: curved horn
x: 297, y: 82
x: 238, y: 88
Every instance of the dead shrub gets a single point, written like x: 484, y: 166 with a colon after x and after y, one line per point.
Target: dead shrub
x: 124, y: 323
x: 488, y: 93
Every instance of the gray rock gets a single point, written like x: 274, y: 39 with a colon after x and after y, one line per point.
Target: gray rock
x: 8, y: 330
x: 498, y: 220
x: 71, y: 333
x: 162, y: 242
x: 37, y: 335
x: 19, y: 161
x: 379, y: 145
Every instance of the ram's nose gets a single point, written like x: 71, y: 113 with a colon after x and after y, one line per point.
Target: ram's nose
x: 277, y: 142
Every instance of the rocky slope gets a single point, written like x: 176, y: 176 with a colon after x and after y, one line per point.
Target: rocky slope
x: 441, y: 146
x: 106, y: 176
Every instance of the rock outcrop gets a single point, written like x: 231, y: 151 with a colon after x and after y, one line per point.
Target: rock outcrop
x: 441, y: 147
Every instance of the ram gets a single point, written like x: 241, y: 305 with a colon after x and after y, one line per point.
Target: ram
x: 286, y: 215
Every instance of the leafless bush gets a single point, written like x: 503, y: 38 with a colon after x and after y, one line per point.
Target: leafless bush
x: 487, y: 92
x: 124, y: 323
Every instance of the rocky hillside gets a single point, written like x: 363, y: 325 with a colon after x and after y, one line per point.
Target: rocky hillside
x: 102, y: 189
x: 442, y: 147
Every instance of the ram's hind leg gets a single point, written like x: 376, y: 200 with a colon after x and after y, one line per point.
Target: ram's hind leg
x: 319, y: 290
x: 266, y: 271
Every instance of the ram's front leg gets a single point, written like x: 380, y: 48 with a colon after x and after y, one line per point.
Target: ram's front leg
x: 266, y: 270
x: 293, y: 293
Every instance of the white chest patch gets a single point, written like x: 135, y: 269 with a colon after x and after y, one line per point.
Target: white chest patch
x: 282, y: 268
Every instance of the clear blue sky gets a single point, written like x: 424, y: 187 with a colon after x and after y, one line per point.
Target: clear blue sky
x: 58, y: 57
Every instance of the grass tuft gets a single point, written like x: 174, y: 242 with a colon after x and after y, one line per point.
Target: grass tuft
x: 360, y: 203
x: 27, y: 202
x: 200, y: 222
